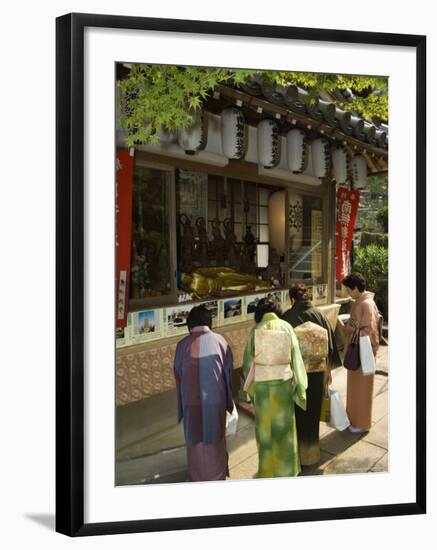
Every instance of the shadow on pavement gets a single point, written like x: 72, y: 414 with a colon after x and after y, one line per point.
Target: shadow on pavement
x: 337, y: 442
x: 161, y: 458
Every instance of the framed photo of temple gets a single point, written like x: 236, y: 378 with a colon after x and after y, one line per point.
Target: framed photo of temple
x: 229, y: 251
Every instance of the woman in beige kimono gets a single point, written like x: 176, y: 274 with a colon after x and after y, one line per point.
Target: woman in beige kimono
x: 365, y: 316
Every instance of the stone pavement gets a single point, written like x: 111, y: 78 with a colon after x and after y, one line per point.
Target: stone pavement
x: 158, y: 456
x: 382, y: 360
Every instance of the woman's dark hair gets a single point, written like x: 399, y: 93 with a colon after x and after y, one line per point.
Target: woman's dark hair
x: 266, y: 305
x: 355, y: 280
x: 299, y: 292
x: 199, y: 316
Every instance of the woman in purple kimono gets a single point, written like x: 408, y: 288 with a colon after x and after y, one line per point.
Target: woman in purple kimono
x: 203, y: 370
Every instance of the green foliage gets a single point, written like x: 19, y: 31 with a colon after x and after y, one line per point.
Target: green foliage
x: 160, y: 96
x: 372, y: 262
x: 382, y: 217
x: 378, y: 185
x: 372, y: 106
x: 371, y: 201
x: 365, y: 225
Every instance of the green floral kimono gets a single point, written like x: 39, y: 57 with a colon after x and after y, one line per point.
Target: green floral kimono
x: 275, y: 425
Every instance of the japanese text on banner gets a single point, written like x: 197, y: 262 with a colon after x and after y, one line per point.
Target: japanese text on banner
x: 123, y: 233
x: 347, y: 208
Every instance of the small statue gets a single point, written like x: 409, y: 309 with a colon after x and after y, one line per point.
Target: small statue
x: 140, y: 279
x: 273, y: 270
x: 203, y: 241
x: 246, y: 264
x: 250, y: 242
x: 247, y: 259
x: 187, y: 244
x: 217, y: 245
x: 230, y: 241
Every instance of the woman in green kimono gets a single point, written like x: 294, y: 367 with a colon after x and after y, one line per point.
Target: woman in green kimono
x: 275, y: 380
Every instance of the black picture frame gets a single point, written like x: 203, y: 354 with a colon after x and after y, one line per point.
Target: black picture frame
x: 70, y: 273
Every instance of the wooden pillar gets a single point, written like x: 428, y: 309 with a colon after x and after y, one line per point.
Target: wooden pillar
x: 332, y: 242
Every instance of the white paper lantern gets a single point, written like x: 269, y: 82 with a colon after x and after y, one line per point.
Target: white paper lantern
x: 166, y: 136
x: 269, y: 143
x: 340, y: 165
x: 297, y: 151
x: 262, y: 255
x: 277, y: 221
x: 321, y: 157
x: 295, y: 221
x: 234, y: 133
x: 194, y: 137
x: 359, y: 172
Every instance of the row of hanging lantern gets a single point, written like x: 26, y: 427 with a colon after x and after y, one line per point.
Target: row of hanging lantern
x: 234, y: 137
x: 321, y: 155
x: 341, y: 168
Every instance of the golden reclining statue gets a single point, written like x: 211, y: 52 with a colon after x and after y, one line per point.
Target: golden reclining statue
x: 206, y: 281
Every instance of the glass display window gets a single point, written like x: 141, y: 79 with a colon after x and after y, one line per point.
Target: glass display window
x: 152, y: 277
x: 305, y: 239
x: 220, y: 222
x: 197, y: 236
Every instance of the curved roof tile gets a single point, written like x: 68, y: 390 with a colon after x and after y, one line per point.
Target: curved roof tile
x: 297, y: 99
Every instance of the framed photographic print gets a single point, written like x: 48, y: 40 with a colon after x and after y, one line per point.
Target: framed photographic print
x: 214, y: 179
x: 146, y: 325
x: 250, y: 304
x: 233, y: 310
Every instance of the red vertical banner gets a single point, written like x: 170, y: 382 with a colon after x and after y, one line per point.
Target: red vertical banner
x: 123, y: 233
x: 347, y: 208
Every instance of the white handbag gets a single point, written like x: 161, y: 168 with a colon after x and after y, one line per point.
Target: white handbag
x: 338, y: 418
x: 231, y: 421
x: 367, y: 358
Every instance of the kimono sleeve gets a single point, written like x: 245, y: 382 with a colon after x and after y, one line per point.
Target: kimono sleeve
x: 369, y: 323
x: 229, y: 373
x: 366, y: 318
x: 299, y: 372
x: 177, y: 369
x: 333, y: 355
x: 248, y: 360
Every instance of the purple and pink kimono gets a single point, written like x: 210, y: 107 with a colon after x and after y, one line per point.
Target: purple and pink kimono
x: 203, y: 370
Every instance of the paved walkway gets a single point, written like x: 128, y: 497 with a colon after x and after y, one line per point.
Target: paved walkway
x: 145, y: 456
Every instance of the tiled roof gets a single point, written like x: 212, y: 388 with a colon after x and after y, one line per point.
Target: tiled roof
x: 297, y: 99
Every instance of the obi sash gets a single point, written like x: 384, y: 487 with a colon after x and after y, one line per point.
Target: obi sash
x: 313, y: 344
x: 272, y: 355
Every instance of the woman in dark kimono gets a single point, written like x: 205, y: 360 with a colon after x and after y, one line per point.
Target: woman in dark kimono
x: 307, y: 422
